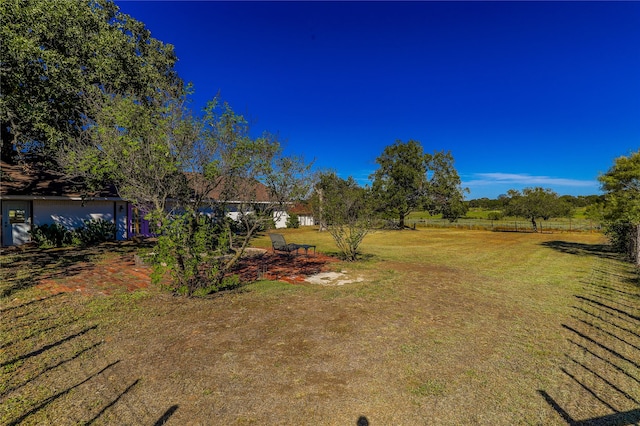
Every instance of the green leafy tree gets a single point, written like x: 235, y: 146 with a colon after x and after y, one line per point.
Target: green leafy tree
x: 621, y: 214
x: 186, y: 171
x: 253, y: 173
x: 445, y: 194
x: 58, y: 57
x: 536, y: 203
x: 408, y: 180
x: 141, y: 150
x: 343, y: 207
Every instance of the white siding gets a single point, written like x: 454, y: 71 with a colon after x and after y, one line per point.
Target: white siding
x: 235, y: 216
x: 306, y: 220
x: 71, y: 214
x: 280, y: 218
x: 121, y: 220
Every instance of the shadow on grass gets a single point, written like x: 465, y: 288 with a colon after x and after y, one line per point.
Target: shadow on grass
x: 52, y: 398
x: 362, y: 257
x: 112, y: 403
x: 31, y: 302
x: 166, y: 416
x: 625, y: 418
x: 602, y: 365
x: 47, y: 347
x: 581, y: 249
x: 27, y: 267
x: 52, y: 367
x: 35, y: 332
x: 52, y: 360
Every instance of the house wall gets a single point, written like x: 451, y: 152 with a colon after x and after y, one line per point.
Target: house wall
x: 306, y: 220
x: 280, y: 218
x: 71, y: 214
x: 121, y: 220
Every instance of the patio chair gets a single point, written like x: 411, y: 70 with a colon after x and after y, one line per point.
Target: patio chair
x: 278, y: 243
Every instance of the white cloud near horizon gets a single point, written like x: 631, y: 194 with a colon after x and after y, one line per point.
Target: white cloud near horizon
x: 484, y: 179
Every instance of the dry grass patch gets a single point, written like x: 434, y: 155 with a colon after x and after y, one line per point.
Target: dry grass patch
x: 447, y: 327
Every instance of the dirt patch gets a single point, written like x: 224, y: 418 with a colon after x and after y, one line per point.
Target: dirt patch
x: 124, y: 273
x: 280, y: 267
x: 105, y: 277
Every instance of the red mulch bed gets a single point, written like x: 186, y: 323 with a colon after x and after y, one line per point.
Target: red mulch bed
x: 104, y: 278
x: 123, y: 274
x: 274, y: 266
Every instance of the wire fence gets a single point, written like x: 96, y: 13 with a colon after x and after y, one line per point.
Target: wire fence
x: 569, y: 225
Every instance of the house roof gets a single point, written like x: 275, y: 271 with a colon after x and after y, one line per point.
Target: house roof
x: 27, y: 181
x: 302, y: 209
x: 253, y: 190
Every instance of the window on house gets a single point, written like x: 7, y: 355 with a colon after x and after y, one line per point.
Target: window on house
x: 136, y: 222
x: 17, y: 216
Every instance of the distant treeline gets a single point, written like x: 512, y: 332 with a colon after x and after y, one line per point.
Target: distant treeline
x: 499, y: 203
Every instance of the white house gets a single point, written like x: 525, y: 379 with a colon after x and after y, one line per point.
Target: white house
x: 31, y: 198
x: 38, y: 197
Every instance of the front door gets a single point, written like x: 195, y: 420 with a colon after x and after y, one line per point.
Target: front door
x: 16, y: 222
x: 138, y: 225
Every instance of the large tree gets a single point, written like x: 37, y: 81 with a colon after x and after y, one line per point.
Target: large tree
x: 185, y: 171
x: 621, y: 213
x: 536, y: 203
x: 445, y: 194
x: 56, y: 60
x: 408, y: 180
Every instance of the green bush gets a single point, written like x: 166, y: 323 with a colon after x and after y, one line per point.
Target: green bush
x: 293, y: 221
x: 57, y: 235
x: 495, y: 215
x: 191, y: 250
x: 620, y: 235
x: 95, y: 231
x: 54, y: 235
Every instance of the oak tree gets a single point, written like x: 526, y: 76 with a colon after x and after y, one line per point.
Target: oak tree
x: 536, y: 203
x: 58, y: 57
x: 408, y: 180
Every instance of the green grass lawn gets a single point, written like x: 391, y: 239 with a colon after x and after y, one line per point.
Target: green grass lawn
x: 478, y: 218
x: 480, y: 213
x: 447, y: 327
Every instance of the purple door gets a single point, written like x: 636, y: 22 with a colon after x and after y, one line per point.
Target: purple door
x: 136, y: 223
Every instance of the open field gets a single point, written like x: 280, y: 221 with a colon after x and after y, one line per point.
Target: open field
x: 477, y: 218
x: 447, y: 327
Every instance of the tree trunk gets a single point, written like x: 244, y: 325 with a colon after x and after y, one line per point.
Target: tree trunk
x: 401, y: 224
x: 637, y: 238
x: 323, y: 225
x: 534, y: 224
x: 6, y: 148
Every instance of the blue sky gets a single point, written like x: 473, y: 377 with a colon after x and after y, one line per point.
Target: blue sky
x: 522, y: 93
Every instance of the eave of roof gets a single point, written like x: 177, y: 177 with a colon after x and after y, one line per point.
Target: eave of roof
x: 20, y: 181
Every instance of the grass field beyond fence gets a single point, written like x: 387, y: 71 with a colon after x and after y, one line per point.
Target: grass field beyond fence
x: 478, y: 218
x: 443, y: 327
x: 509, y: 225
